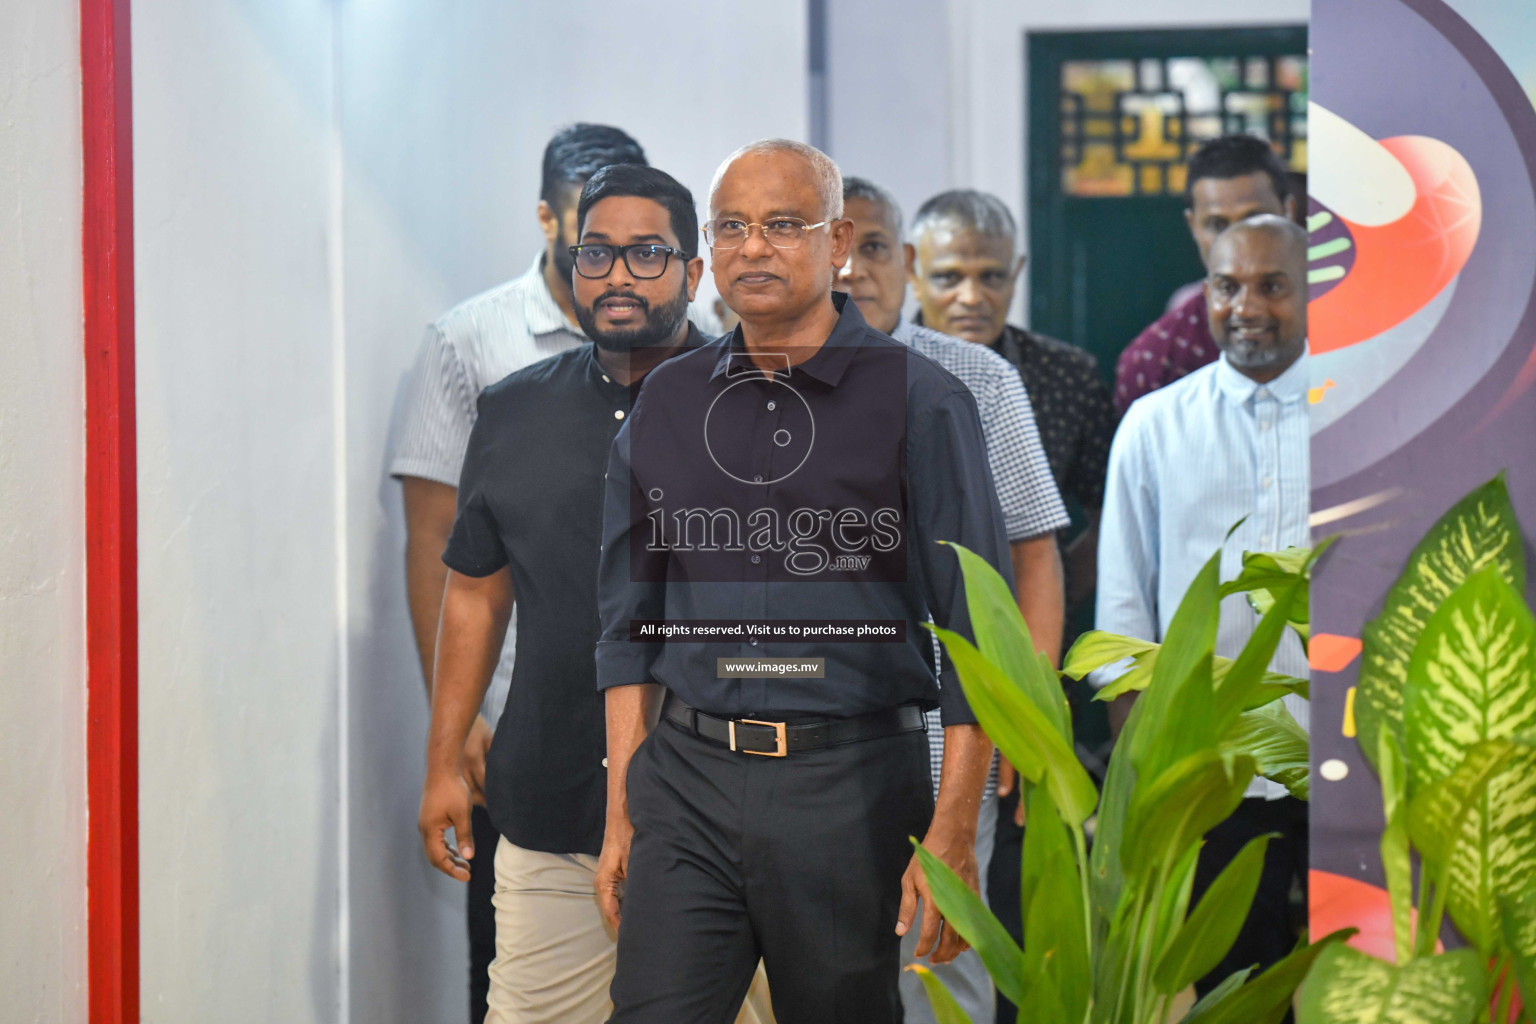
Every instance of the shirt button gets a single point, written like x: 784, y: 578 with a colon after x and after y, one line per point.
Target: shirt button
x: 772, y: 406
x: 753, y: 641
x: 756, y: 559
x: 1265, y: 482
x: 758, y: 478
x: 618, y: 414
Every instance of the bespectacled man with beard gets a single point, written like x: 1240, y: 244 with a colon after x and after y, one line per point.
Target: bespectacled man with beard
x: 470, y: 347
x: 1228, y: 442
x: 528, y: 528
x: 781, y: 495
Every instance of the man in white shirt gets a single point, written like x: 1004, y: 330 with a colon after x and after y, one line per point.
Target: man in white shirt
x: 466, y: 350
x: 1229, y: 440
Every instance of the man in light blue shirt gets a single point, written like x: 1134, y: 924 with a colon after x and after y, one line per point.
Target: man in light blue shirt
x: 1229, y: 440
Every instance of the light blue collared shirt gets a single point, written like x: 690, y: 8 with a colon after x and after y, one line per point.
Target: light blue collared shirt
x: 1189, y: 461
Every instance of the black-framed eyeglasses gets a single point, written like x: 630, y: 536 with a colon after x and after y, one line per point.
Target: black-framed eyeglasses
x: 644, y: 260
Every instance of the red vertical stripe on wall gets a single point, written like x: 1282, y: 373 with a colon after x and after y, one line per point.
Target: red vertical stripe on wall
x: 111, y: 519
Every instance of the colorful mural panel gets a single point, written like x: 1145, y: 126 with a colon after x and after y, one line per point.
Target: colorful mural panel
x: 1422, y: 224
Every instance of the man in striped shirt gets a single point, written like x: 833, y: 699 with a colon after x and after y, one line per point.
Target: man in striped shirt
x: 1228, y: 442
x: 466, y: 350
x: 875, y: 277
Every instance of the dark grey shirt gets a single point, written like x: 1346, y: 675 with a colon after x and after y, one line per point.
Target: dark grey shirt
x: 531, y: 498
x: 818, y: 494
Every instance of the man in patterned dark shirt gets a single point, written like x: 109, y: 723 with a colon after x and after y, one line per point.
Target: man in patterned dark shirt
x: 1231, y: 178
x: 964, y: 266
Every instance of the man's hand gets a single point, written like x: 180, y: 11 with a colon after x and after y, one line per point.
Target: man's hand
x: 445, y: 804
x: 612, y: 869
x: 472, y: 761
x: 957, y: 849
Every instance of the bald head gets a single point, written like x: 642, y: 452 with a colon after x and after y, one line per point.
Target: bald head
x: 825, y: 178
x: 1256, y: 291
x: 1281, y: 232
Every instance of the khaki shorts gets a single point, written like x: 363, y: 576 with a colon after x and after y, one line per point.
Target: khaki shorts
x: 554, y: 956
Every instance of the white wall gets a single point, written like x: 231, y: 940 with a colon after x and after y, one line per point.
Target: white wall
x: 314, y: 183
x: 940, y: 102
x: 42, y: 515
x: 237, y: 547
x: 445, y: 113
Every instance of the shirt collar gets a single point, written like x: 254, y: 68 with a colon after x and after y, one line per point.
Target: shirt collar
x: 541, y: 313
x: 1291, y: 386
x: 599, y: 377
x: 827, y: 366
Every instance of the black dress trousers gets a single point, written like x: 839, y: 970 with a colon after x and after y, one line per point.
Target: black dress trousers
x: 1269, y: 933
x: 797, y: 860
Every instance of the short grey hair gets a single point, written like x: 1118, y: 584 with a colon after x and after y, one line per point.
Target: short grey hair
x: 855, y: 187
x: 981, y: 212
x: 828, y: 179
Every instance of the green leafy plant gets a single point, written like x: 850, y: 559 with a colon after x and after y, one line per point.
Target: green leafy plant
x: 1109, y: 937
x: 1446, y: 711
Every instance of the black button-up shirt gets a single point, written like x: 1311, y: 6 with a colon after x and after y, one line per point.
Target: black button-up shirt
x: 815, y: 495
x: 531, y: 497
x: 1072, y: 409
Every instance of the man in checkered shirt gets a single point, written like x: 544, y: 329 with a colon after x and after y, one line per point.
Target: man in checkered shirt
x: 875, y: 278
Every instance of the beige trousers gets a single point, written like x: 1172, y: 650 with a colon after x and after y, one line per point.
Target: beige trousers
x: 554, y: 956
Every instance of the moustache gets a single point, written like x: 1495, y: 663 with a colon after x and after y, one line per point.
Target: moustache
x: 627, y: 296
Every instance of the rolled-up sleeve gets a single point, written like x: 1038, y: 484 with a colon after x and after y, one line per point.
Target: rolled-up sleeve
x: 631, y: 582
x: 475, y: 547
x: 1027, y: 491
x: 439, y: 412
x: 953, y: 498
x: 1128, y: 540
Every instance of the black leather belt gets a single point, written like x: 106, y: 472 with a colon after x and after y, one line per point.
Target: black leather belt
x: 780, y: 739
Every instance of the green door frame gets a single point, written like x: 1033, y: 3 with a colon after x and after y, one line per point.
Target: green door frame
x: 1053, y: 307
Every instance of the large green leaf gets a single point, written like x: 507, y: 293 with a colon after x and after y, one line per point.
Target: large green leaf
x: 1211, y: 929
x: 1178, y: 714
x: 1003, y: 638
x: 1277, y: 743
x: 1519, y: 920
x: 1215, y: 997
x: 1178, y: 807
x: 1472, y: 676
x: 945, y: 1009
x: 1479, y: 530
x: 964, y: 910
x: 1022, y: 730
x: 1472, y: 680
x: 1478, y: 826
x: 1109, y: 829
x: 1171, y: 908
x: 1247, y: 672
x: 1349, y: 987
x: 1055, y: 935
x: 1267, y: 998
x: 1396, y: 859
x: 1266, y: 574
x: 1096, y: 648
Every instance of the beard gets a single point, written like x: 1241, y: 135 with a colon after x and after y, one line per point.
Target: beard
x: 1258, y: 354
x: 661, y: 324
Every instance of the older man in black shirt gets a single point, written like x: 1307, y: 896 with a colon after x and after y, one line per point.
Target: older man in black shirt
x: 529, y: 525
x: 785, y: 490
